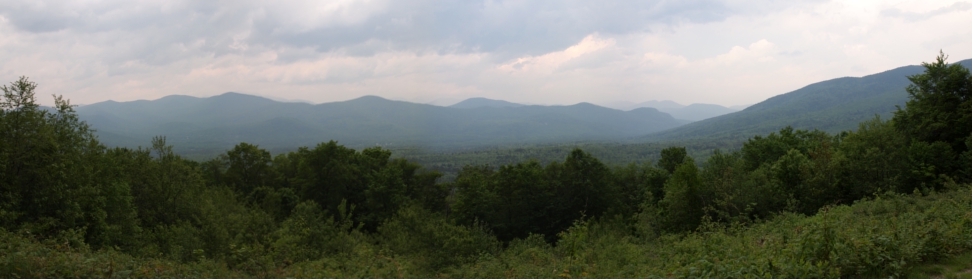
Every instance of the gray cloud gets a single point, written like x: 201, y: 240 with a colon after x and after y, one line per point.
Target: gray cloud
x: 506, y: 28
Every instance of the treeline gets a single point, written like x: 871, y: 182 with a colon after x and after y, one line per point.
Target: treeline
x: 331, y: 211
x: 610, y: 153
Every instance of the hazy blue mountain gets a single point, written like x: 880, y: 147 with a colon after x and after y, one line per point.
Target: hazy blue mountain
x: 214, y: 124
x: 696, y: 112
x: 663, y: 105
x: 834, y: 105
x: 693, y: 112
x: 483, y: 102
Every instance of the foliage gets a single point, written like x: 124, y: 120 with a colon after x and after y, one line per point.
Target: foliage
x: 940, y: 107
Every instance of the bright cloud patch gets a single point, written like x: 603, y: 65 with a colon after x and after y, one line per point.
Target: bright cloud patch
x: 549, y: 62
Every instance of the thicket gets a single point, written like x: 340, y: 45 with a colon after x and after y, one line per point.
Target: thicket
x: 793, y: 203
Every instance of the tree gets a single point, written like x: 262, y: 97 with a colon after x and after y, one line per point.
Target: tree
x: 671, y: 158
x: 871, y: 159
x: 682, y: 205
x: 940, y: 105
x: 328, y: 175
x: 54, y: 175
x: 249, y: 168
x: 585, y: 187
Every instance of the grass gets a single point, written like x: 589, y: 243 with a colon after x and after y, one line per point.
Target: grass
x: 957, y: 267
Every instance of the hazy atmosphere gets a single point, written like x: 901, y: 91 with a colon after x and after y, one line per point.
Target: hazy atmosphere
x: 541, y: 52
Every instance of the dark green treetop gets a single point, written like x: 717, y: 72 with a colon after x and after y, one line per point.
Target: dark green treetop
x: 940, y: 107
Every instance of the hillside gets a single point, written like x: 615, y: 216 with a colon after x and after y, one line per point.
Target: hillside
x: 696, y: 112
x: 202, y: 125
x: 483, y: 102
x: 834, y: 105
x: 693, y: 112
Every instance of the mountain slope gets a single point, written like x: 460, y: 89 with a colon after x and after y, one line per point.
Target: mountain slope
x: 696, y: 112
x: 217, y: 123
x: 834, y: 105
x: 663, y: 105
x: 693, y: 112
x: 483, y: 102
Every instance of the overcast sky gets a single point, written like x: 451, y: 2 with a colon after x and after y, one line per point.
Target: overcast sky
x: 537, y: 52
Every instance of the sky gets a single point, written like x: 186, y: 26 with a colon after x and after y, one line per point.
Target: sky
x: 556, y: 52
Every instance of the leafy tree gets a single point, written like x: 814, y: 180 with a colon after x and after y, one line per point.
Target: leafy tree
x: 635, y: 185
x: 54, y: 175
x: 671, y: 158
x: 871, y: 160
x: 655, y: 179
x: 965, y: 166
x: 724, y: 192
x: 525, y: 202
x: 927, y: 165
x: 528, y: 198
x: 682, y: 207
x: 327, y: 175
x: 311, y: 233
x: 432, y: 241
x: 940, y: 108
x: 761, y: 150
x: 248, y: 168
x: 585, y: 188
x: 474, y: 194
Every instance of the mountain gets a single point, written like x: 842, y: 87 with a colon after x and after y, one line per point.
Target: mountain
x: 663, y: 105
x: 834, y: 105
x: 483, y: 102
x: 211, y: 125
x: 693, y: 112
x: 696, y: 112
x: 739, y: 107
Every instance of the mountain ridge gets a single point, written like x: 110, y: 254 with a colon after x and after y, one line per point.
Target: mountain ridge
x: 833, y: 105
x: 478, y: 102
x: 221, y: 121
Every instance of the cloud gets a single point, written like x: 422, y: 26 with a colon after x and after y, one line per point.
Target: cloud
x: 509, y: 27
x: 916, y: 16
x: 545, y: 52
x: 549, y: 62
x: 759, y: 51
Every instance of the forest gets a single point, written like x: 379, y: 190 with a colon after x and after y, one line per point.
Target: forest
x: 882, y: 200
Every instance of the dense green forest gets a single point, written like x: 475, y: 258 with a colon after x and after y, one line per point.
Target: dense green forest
x: 874, y: 202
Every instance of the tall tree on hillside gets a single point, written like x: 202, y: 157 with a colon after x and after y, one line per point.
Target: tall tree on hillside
x: 940, y: 108
x: 671, y: 158
x: 53, y: 175
x: 682, y: 206
x: 937, y: 121
x: 249, y: 167
x: 586, y: 185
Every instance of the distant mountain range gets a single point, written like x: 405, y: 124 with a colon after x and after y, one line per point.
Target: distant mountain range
x: 214, y: 124
x: 484, y: 103
x: 693, y: 112
x: 202, y: 125
x: 696, y: 112
x: 833, y: 106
